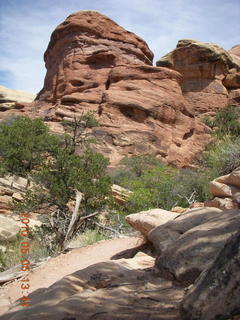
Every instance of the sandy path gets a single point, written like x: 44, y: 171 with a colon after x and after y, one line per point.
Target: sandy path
x: 58, y: 267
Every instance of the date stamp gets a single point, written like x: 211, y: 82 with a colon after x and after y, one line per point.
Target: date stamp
x: 25, y: 248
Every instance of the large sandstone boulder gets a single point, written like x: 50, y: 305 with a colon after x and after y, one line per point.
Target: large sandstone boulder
x: 11, y: 188
x: 9, y: 98
x: 164, y: 235
x: 195, y: 250
x: 234, y: 96
x: 219, y: 189
x: 235, y: 50
x: 216, y: 293
x: 204, y: 66
x: 82, y: 51
x: 232, y: 178
x: 225, y: 191
x: 95, y: 65
x: 232, y: 80
x: 8, y: 229
x: 221, y: 203
x: 123, y: 290
x: 145, y: 221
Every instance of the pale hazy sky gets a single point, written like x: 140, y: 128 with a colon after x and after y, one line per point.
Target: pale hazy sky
x: 26, y: 26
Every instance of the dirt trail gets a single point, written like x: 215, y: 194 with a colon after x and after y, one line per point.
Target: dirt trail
x: 58, y: 267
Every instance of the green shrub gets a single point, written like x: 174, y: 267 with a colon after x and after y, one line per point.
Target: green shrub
x: 192, y: 185
x: 162, y: 186
x: 208, y: 121
x: 133, y: 167
x: 222, y: 156
x: 227, y: 121
x: 152, y: 188
x: 28, y: 149
x: 23, y: 144
x: 89, y: 237
x: 138, y: 164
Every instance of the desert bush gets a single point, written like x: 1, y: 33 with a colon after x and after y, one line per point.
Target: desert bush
x: 152, y: 188
x: 160, y: 185
x: 12, y: 256
x: 227, y: 121
x: 133, y: 167
x: 88, y: 237
x: 222, y: 156
x: 23, y: 144
x: 138, y: 164
x: 208, y: 121
x: 28, y: 149
x: 192, y: 185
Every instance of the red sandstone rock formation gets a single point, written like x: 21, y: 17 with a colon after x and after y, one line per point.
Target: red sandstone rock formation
x: 233, y: 79
x: 93, y: 64
x: 235, y: 51
x: 209, y: 74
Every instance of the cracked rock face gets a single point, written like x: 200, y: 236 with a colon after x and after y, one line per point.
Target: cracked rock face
x: 215, y: 295
x: 81, y: 53
x: 95, y: 65
x: 209, y: 72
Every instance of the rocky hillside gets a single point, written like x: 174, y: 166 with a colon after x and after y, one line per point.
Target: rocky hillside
x: 211, y: 75
x: 178, y: 264
x: 189, y: 270
x: 13, y: 99
x: 95, y: 65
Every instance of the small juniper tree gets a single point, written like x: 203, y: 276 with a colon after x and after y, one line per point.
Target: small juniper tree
x: 60, y: 176
x: 23, y: 143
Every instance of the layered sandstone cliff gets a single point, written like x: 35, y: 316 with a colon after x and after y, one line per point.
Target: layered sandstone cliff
x: 95, y: 65
x: 211, y: 75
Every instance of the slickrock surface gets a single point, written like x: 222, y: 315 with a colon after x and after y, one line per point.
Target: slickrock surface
x: 12, y: 99
x: 98, y: 288
x: 215, y: 295
x: 189, y: 244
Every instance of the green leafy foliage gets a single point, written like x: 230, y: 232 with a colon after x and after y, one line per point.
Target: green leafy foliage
x: 151, y: 184
x: 66, y: 173
x: 208, y: 121
x: 23, y: 144
x: 28, y: 149
x: 222, y: 156
x: 162, y: 186
x: 227, y: 121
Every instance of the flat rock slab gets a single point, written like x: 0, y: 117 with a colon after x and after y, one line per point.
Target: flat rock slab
x: 145, y: 221
x: 216, y: 294
x: 110, y: 290
x: 58, y: 267
x: 195, y: 250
